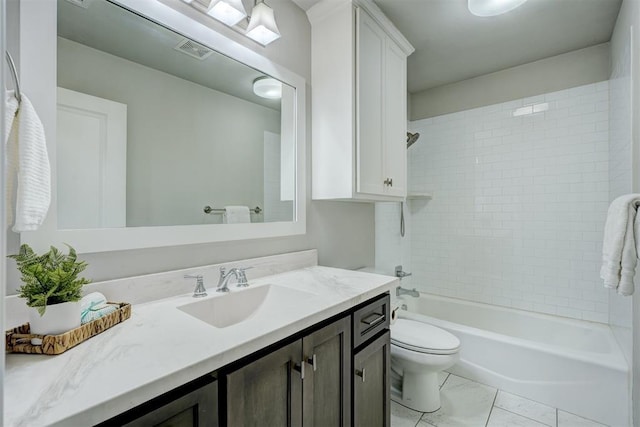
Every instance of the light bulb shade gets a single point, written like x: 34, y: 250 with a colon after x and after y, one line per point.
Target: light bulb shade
x: 493, y: 7
x: 262, y: 26
x: 267, y: 87
x: 228, y: 11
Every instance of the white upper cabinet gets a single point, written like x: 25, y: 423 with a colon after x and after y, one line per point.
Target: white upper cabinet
x: 359, y: 102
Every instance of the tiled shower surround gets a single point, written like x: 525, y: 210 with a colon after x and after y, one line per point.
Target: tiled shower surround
x: 519, y: 204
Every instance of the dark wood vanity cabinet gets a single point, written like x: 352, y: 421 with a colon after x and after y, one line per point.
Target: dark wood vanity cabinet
x: 327, y: 382
x: 192, y: 405
x: 371, y: 383
x: 304, y: 383
x: 267, y: 391
x: 372, y: 364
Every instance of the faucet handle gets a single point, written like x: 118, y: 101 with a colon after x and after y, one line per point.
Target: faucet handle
x: 242, y: 277
x: 400, y: 273
x: 200, y: 290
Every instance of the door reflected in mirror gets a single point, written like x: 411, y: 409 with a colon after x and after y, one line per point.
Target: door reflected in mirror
x: 153, y: 127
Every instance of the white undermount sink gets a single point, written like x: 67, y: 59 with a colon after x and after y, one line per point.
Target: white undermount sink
x: 240, y: 305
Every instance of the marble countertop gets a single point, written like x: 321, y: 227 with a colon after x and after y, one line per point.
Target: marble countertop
x: 160, y: 347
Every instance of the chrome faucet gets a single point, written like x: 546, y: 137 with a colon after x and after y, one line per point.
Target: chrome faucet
x: 400, y: 273
x: 239, y: 273
x: 200, y: 290
x: 402, y: 291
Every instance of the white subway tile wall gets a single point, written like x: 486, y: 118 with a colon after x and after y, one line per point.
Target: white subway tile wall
x: 518, y: 207
x: 620, y: 178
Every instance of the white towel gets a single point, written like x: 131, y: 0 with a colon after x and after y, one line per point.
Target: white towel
x: 27, y: 159
x: 236, y: 214
x: 619, y: 247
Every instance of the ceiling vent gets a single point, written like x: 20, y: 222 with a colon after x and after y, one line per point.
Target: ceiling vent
x: 82, y: 3
x: 193, y: 49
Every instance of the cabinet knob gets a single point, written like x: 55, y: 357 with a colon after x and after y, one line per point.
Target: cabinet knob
x: 361, y: 373
x: 389, y: 182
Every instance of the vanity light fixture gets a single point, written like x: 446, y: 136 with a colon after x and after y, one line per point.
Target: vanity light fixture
x: 493, y: 7
x: 262, y: 24
x: 228, y: 11
x: 267, y: 87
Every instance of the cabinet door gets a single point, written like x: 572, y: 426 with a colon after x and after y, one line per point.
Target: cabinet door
x: 198, y: 408
x: 371, y: 386
x: 268, y: 391
x: 395, y: 112
x: 327, y: 381
x: 370, y: 45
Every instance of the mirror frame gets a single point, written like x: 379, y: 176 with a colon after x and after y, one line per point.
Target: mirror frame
x: 182, y: 20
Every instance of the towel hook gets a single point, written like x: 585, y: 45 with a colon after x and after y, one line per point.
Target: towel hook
x: 14, y: 74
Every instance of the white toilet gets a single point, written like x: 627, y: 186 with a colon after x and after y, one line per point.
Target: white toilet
x: 418, y: 352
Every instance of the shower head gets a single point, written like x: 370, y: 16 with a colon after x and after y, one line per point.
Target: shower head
x: 411, y: 138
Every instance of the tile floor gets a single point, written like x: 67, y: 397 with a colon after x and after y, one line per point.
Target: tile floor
x: 466, y: 403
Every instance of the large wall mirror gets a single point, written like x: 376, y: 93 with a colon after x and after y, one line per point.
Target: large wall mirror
x: 168, y: 133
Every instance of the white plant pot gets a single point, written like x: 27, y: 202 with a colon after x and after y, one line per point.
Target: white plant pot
x: 57, y: 319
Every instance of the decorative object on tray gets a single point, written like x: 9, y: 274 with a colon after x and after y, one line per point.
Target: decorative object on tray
x: 52, y: 289
x: 22, y: 340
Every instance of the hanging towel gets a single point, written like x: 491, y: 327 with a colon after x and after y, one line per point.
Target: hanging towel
x: 619, y: 247
x: 27, y: 163
x: 236, y: 214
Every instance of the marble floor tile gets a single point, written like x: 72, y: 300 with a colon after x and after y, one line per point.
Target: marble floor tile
x: 528, y: 408
x: 464, y: 403
x: 501, y: 418
x: 565, y: 419
x: 401, y: 416
x: 442, y: 377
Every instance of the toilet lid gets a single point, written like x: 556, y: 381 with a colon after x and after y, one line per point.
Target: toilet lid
x: 423, y: 338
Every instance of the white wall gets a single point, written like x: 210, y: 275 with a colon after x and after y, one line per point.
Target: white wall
x: 571, y: 69
x: 518, y: 204
x: 175, y: 169
x: 342, y: 232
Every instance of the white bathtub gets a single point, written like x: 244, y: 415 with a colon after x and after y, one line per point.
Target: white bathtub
x: 573, y: 365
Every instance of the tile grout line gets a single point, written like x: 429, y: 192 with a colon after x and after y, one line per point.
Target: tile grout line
x: 492, y: 405
x: 444, y: 382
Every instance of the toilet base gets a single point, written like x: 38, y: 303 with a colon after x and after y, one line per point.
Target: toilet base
x: 420, y: 391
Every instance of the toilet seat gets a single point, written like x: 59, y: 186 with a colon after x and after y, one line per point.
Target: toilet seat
x: 423, y: 337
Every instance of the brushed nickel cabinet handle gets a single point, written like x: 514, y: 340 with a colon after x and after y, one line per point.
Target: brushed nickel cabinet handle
x: 300, y: 368
x: 312, y: 361
x: 361, y: 374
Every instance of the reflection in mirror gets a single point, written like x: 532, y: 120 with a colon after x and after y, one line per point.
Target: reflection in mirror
x: 153, y: 127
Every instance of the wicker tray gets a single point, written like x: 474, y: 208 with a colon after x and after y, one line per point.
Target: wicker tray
x: 18, y: 340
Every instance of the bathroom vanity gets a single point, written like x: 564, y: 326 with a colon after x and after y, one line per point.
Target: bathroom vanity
x: 319, y: 357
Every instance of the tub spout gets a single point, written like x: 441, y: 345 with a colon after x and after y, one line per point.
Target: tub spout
x: 402, y: 291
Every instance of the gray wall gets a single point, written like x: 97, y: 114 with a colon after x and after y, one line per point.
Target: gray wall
x: 629, y: 16
x: 343, y: 232
x: 571, y: 69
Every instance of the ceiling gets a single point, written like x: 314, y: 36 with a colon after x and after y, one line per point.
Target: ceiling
x: 115, y: 30
x: 453, y: 45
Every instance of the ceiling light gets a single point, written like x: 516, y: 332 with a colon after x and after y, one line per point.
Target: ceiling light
x: 262, y: 26
x: 228, y: 11
x: 493, y: 7
x: 267, y: 87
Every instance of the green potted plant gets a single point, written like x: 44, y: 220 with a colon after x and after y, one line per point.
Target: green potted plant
x: 52, y: 288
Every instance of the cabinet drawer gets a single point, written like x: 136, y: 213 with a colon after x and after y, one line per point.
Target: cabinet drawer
x: 371, y: 319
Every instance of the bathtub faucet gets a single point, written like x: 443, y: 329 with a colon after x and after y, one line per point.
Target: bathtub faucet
x: 402, y: 291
